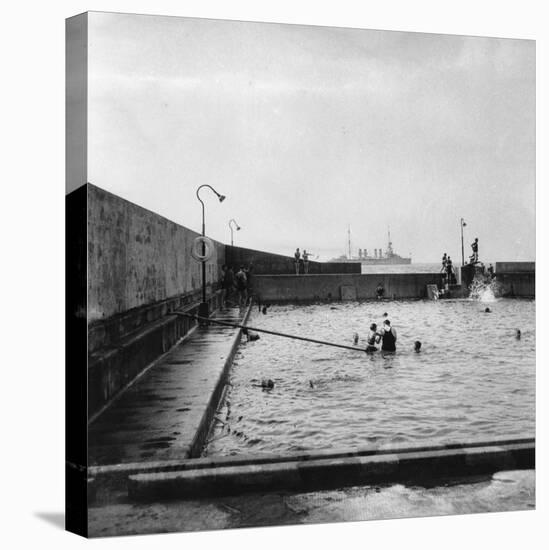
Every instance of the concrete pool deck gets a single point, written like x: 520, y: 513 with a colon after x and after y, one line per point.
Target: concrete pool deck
x: 500, y: 492
x: 166, y: 413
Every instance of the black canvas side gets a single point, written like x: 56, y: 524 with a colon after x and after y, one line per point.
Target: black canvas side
x: 76, y: 445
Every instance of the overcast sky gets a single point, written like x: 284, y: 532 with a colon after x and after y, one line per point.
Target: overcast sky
x: 308, y: 130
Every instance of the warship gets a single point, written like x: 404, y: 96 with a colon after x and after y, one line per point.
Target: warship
x: 379, y: 257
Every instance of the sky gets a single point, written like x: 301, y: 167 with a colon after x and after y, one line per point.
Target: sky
x: 311, y: 130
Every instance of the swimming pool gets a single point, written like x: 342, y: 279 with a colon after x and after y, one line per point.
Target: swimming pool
x: 472, y: 380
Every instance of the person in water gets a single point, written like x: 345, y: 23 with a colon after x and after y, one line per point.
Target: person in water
x: 373, y: 339
x: 388, y: 337
x: 380, y: 291
x: 250, y: 336
x: 417, y: 346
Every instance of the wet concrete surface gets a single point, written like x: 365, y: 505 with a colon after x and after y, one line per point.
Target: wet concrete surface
x: 504, y: 491
x: 158, y: 416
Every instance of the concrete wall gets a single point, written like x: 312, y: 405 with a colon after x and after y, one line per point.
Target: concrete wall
x: 518, y: 284
x: 136, y: 257
x: 266, y: 263
x: 518, y: 279
x: 515, y: 267
x: 140, y: 269
x: 295, y: 288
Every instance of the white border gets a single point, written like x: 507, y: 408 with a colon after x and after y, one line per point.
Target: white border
x: 32, y: 172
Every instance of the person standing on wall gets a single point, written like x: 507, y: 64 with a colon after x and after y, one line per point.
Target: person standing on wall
x: 305, y: 262
x: 228, y: 284
x: 297, y: 257
x: 248, y: 273
x: 450, y: 277
x: 443, y: 269
x: 474, y: 246
x: 241, y: 286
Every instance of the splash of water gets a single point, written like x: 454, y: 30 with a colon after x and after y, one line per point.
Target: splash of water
x: 484, y: 290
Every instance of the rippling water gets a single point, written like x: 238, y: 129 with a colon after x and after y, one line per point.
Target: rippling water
x: 472, y: 379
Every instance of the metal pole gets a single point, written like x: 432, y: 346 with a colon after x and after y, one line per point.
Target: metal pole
x: 203, y: 253
x: 462, y: 253
x: 231, y: 221
x: 204, y: 306
x: 274, y: 333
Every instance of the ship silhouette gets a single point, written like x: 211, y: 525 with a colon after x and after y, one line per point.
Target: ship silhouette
x: 380, y: 257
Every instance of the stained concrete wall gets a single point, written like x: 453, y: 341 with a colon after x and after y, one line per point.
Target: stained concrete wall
x: 515, y: 267
x: 296, y: 288
x: 266, y: 263
x: 140, y: 269
x: 518, y: 284
x: 518, y: 279
x: 136, y: 257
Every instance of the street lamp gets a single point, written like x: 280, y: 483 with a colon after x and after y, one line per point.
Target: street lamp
x: 231, y: 228
x: 462, y: 224
x: 203, y: 309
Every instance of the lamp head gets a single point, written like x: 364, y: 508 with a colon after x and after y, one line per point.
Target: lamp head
x: 238, y: 228
x: 221, y: 198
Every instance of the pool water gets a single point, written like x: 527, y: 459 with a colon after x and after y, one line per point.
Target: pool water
x: 472, y: 379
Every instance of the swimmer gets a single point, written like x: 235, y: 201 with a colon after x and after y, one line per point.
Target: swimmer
x: 251, y: 336
x: 517, y: 334
x: 355, y: 338
x: 380, y: 291
x: 266, y: 384
x: 264, y: 310
x: 417, y: 346
x: 388, y: 337
x: 487, y: 310
x: 385, y: 314
x: 373, y: 339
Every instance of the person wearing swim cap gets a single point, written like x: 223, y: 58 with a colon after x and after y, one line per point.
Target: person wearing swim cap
x: 388, y: 337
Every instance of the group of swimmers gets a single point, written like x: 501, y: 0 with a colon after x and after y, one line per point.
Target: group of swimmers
x: 238, y: 283
x: 387, y: 337
x: 448, y: 270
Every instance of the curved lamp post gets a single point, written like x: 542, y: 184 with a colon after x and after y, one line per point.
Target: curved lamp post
x: 231, y: 228
x: 462, y: 224
x: 203, y: 310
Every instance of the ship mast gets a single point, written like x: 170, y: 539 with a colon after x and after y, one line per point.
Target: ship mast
x: 389, y: 243
x: 349, y: 241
